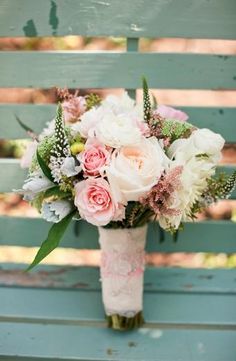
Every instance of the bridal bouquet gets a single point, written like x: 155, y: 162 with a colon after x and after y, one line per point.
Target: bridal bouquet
x: 119, y: 165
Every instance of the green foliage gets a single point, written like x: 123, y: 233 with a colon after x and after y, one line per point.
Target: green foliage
x: 38, y: 201
x: 219, y: 187
x: 56, y: 192
x: 46, y: 170
x: 92, y: 100
x: 53, y: 239
x: 175, y: 130
x: 146, y: 102
x: 61, y: 146
x: 44, y: 149
x: 25, y: 127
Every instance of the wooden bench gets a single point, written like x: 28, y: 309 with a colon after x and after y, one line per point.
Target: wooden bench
x: 56, y: 313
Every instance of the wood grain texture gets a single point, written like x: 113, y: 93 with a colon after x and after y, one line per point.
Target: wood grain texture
x: 219, y: 119
x: 208, y: 236
x: 76, y: 306
x: 183, y: 18
x: 44, y: 342
x: 218, y: 281
x: 116, y: 70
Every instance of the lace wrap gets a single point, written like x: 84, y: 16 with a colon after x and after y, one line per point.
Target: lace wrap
x: 122, y: 267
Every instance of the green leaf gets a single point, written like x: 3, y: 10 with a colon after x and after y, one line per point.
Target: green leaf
x: 55, y: 234
x: 25, y: 127
x: 46, y: 170
x: 56, y: 191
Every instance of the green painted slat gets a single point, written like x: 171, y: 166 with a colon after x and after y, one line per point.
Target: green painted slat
x: 78, y: 305
x: 183, y: 18
x: 67, y: 342
x: 116, y: 70
x: 208, y: 236
x: 219, y: 119
x: 13, y: 176
x: 35, y: 116
x: 87, y: 278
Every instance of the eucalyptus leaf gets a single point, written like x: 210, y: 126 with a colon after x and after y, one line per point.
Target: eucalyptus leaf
x: 46, y: 170
x: 55, y: 234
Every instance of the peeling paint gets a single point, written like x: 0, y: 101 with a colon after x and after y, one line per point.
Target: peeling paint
x: 30, y: 28
x: 156, y: 334
x: 53, y: 19
x: 135, y: 27
x: 103, y: 3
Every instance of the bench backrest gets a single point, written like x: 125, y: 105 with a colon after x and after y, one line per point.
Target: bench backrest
x: 210, y: 19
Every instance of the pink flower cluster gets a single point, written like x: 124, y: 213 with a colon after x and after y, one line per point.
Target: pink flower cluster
x: 160, y: 196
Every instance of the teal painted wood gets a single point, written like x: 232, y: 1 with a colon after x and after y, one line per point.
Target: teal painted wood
x: 209, y: 236
x: 218, y: 281
x: 219, y: 119
x: 35, y: 116
x: 116, y: 70
x: 132, y: 44
x: 62, y: 342
x: 13, y: 176
x: 76, y: 306
x: 184, y: 18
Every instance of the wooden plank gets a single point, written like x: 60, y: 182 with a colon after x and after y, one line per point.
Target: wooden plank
x: 184, y: 18
x: 33, y: 342
x: 13, y: 176
x: 53, y: 305
x: 219, y: 119
x: 218, y: 281
x: 208, y: 236
x: 116, y: 70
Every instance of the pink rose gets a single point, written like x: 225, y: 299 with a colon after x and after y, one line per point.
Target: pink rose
x: 93, y: 158
x: 73, y: 108
x: 171, y: 113
x: 94, y: 201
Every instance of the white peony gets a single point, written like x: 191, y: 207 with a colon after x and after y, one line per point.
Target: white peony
x: 88, y: 122
x: 122, y: 104
x: 199, y: 155
x: 201, y: 142
x: 134, y: 170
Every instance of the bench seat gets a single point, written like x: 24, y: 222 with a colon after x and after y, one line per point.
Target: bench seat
x: 56, y: 313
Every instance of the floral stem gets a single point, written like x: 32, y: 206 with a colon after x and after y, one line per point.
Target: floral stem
x: 122, y: 323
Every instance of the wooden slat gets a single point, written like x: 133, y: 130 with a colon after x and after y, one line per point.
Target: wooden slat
x: 218, y: 281
x: 46, y: 342
x: 219, y: 119
x: 116, y: 70
x: 215, y: 236
x: 25, y: 304
x: 12, y: 176
x: 183, y: 18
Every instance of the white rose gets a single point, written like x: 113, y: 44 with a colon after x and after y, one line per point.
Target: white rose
x: 118, y: 130
x: 200, y: 142
x: 134, y: 170
x: 30, y: 151
x: 118, y: 105
x: 88, y: 122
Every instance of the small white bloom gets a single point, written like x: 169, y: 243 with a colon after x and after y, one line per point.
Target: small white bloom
x: 55, y: 211
x: 30, y: 151
x: 134, y: 170
x: 69, y: 168
x: 48, y: 131
x: 36, y: 183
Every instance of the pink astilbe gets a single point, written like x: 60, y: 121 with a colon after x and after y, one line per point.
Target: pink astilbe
x: 160, y: 197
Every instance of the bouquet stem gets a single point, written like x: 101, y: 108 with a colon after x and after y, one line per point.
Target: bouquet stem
x: 123, y: 323
x: 122, y: 269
